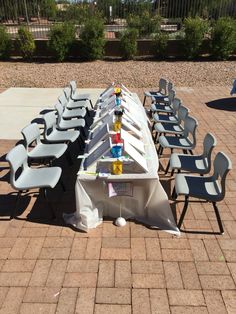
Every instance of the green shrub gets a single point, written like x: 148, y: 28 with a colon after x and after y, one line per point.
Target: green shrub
x: 145, y: 24
x: 61, y: 38
x: 93, y: 39
x: 26, y: 43
x: 223, y: 38
x: 160, y: 44
x: 5, y: 43
x: 128, y: 43
x: 195, y: 29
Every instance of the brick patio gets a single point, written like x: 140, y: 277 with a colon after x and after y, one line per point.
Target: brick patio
x: 47, y: 267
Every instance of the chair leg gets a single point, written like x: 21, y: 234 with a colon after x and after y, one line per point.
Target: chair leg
x: 183, y: 212
x: 218, y: 218
x: 144, y: 100
x: 174, y: 195
x: 91, y: 103
x: 13, y: 213
x: 62, y: 185
x: 49, y: 203
x: 69, y: 158
x: 191, y: 152
x: 172, y: 172
x: 167, y: 168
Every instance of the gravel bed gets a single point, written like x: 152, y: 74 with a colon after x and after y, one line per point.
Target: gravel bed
x: 134, y: 74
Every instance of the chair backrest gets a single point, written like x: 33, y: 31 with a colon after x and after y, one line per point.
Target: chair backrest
x: 59, y: 108
x: 73, y: 87
x: 190, y: 126
x: 17, y: 158
x: 182, y: 113
x: 171, y: 96
x: 176, y: 105
x: 50, y: 121
x: 67, y: 92
x: 208, y: 144
x: 222, y: 165
x: 163, y: 86
x: 31, y: 133
x: 170, y: 86
x: 63, y: 100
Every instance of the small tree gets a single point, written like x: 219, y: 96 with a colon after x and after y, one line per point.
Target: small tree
x: 128, y: 43
x: 160, y: 44
x: 26, y: 43
x: 195, y: 29
x: 5, y: 43
x: 93, y: 39
x: 61, y: 38
x: 223, y: 38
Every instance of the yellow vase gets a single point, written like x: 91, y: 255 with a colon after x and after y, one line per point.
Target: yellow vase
x: 117, y: 167
x: 117, y: 126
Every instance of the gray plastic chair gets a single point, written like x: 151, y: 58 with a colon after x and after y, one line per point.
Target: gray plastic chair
x: 70, y: 103
x: 211, y: 189
x: 31, y: 134
x: 78, y: 97
x: 63, y: 124
x: 172, y: 118
x: 183, y: 142
x: 52, y: 135
x: 166, y: 107
x: 30, y: 178
x: 71, y: 113
x: 162, y: 90
x: 172, y: 128
x: 195, y: 163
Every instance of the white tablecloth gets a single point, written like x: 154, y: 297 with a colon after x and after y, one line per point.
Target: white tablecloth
x: 149, y: 203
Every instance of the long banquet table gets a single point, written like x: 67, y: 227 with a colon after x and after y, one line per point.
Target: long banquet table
x: 148, y: 204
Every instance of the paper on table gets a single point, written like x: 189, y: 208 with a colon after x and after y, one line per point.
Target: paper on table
x: 120, y: 189
x: 101, y: 135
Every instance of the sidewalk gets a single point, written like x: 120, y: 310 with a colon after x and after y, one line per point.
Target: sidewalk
x: 46, y: 267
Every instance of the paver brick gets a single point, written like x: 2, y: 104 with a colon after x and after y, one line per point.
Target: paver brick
x: 229, y: 298
x: 147, y: 267
x: 14, y: 279
x: 116, y: 242
x: 3, y: 293
x: 115, y: 254
x: 85, y: 301
x: 186, y: 297
x: 159, y: 301
x: 112, y: 308
x: 148, y: 281
x: 212, y: 268
x: 84, y: 280
x: 56, y: 273
x: 41, y: 295
x: 177, y: 255
x: 67, y: 301
x: 175, y: 243
x: 13, y: 300
x: 188, y: 310
x: 138, y: 249
x: 140, y: 301
x: 213, y: 250
x: 93, y: 248
x: 57, y: 242
x: 34, y: 248
x: 18, y: 265
x: 83, y: 266
x: 198, y: 250
x: 214, y: 302
x: 40, y: 273
x: 217, y: 282
x: 189, y: 275
x: 123, y: 274
x: 19, y: 248
x: 172, y: 275
x: 106, y: 274
x: 153, y: 249
x: 78, y: 248
x: 113, y: 295
x: 39, y: 308
x: 54, y: 253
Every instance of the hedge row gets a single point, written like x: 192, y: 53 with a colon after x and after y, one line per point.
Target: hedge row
x: 62, y: 39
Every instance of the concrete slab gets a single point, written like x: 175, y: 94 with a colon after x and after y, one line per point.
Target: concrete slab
x: 19, y: 106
